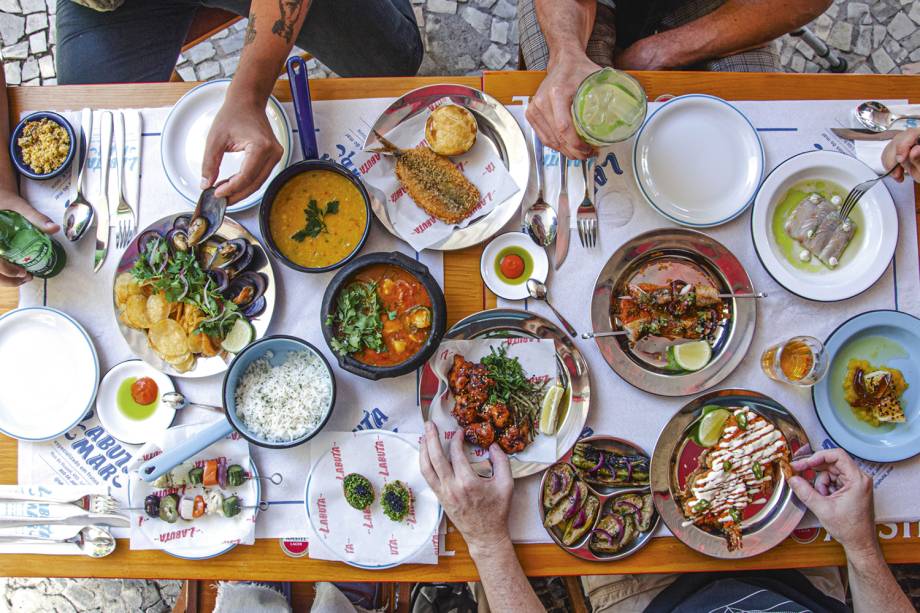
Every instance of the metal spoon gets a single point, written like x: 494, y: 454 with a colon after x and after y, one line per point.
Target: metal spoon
x: 539, y: 220
x: 537, y: 291
x: 177, y: 401
x: 876, y: 116
x: 93, y: 541
x: 79, y: 214
x: 587, y: 335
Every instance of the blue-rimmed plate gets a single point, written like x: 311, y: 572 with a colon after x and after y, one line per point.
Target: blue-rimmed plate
x: 698, y: 161
x: 369, y: 540
x: 49, y: 373
x: 883, y: 338
x: 186, y: 132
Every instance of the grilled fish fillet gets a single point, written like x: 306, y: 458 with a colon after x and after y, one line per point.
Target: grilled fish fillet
x: 433, y: 182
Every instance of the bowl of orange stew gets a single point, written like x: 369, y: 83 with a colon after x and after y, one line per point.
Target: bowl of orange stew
x: 383, y: 315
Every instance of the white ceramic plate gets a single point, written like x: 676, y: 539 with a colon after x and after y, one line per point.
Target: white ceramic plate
x: 186, y: 131
x: 698, y: 161
x: 874, y: 242
x: 487, y: 265
x: 119, y: 425
x: 49, y: 373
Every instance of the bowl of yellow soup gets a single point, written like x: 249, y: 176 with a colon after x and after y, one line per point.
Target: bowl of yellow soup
x: 315, y: 216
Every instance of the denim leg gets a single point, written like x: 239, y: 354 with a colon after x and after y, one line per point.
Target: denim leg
x: 137, y: 42
x: 356, y: 38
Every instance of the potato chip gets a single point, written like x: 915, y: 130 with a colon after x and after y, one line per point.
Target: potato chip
x: 136, y: 312
x: 125, y: 286
x: 186, y: 365
x: 157, y: 308
x: 177, y: 359
x: 196, y: 342
x: 168, y: 338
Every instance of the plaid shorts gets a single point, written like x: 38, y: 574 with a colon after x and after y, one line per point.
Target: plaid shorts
x: 535, y: 52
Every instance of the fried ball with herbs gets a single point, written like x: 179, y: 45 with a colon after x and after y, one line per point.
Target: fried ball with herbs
x: 396, y: 500
x: 359, y: 492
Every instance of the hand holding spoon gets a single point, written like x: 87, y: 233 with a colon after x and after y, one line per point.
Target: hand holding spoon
x: 537, y: 291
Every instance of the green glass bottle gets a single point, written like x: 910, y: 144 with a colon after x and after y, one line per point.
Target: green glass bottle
x: 25, y: 245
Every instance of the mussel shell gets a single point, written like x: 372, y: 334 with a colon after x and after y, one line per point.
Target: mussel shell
x: 220, y: 278
x: 178, y: 240
x: 207, y: 218
x: 246, y: 288
x: 230, y: 251
x: 181, y: 222
x: 255, y: 308
x: 146, y: 238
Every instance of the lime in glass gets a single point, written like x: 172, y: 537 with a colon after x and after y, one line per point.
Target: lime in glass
x: 608, y: 107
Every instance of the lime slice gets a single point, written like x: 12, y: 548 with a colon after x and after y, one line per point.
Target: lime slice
x: 710, y: 428
x: 550, y: 413
x: 241, y: 334
x: 692, y: 356
x: 709, y: 408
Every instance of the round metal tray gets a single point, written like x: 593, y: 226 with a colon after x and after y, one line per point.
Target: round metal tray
x: 778, y: 517
x: 497, y: 126
x: 603, y: 494
x: 732, y: 339
x: 571, y: 367
x: 204, y: 367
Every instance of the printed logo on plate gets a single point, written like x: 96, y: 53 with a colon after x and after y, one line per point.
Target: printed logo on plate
x: 805, y: 535
x: 294, y: 547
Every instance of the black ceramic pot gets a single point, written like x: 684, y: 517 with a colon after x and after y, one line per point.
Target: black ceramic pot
x: 438, y: 313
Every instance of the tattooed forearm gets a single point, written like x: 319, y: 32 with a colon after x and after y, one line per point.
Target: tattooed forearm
x: 250, y: 30
x: 291, y: 10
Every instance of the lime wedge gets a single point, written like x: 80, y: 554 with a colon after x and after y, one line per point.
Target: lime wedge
x: 241, y: 334
x: 549, y: 415
x: 710, y: 428
x: 692, y: 356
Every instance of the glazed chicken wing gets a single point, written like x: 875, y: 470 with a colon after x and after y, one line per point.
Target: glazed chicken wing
x: 481, y: 434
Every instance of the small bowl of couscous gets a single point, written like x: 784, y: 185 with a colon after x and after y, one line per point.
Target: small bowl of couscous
x: 43, y: 145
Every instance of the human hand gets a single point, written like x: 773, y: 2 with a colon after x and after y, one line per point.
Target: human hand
x: 478, y: 506
x: 550, y: 110
x: 240, y: 126
x: 10, y: 274
x: 644, y: 54
x: 903, y: 150
x: 841, y: 498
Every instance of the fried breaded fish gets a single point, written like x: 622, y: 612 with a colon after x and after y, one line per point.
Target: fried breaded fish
x: 433, y: 182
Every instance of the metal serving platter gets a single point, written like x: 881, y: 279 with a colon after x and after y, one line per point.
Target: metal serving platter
x: 204, y: 367
x: 571, y: 367
x: 496, y: 126
x: 603, y: 493
x: 732, y: 338
x: 766, y: 528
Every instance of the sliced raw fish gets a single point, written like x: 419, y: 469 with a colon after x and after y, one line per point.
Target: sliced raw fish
x: 816, y: 224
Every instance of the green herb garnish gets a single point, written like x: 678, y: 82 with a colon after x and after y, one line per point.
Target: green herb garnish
x: 523, y: 397
x: 357, y: 319
x: 757, y: 470
x: 316, y: 220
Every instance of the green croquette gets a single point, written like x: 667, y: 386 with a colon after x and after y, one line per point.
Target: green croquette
x: 396, y: 500
x: 359, y: 492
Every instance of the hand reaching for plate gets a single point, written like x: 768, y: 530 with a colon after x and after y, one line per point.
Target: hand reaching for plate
x: 478, y: 506
x: 840, y: 497
x: 240, y: 126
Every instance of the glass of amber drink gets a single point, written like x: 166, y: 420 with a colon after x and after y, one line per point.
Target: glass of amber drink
x: 801, y: 360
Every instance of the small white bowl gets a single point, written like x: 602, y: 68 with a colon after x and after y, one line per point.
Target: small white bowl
x: 119, y: 425
x: 496, y: 284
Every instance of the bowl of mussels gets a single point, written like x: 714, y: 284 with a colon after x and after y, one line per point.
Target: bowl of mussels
x: 596, y: 503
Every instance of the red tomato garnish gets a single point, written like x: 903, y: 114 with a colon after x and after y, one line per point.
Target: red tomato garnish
x: 512, y: 266
x: 144, y: 391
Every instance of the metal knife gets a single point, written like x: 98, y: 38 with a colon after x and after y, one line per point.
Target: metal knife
x: 102, y: 210
x: 864, y: 134
x: 82, y: 519
x: 563, y: 214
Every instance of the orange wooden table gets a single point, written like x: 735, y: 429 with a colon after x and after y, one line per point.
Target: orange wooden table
x: 465, y: 294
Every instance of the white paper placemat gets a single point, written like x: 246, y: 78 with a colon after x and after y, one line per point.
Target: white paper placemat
x: 786, y: 128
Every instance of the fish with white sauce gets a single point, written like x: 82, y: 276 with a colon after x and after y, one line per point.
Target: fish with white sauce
x: 817, y: 225
x: 738, y: 471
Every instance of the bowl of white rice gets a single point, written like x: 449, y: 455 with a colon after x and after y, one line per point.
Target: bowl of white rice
x: 279, y: 391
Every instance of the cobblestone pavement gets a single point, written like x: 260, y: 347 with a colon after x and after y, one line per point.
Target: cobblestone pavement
x: 87, y: 595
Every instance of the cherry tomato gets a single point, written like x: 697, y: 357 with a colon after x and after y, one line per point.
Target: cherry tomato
x: 512, y: 266
x: 144, y: 391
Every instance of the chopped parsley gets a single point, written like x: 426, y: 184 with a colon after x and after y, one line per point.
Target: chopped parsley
x: 315, y: 217
x: 356, y: 319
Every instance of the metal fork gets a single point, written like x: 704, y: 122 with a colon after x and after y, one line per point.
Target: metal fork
x: 860, y: 190
x: 586, y: 215
x: 125, y: 220
x: 94, y: 503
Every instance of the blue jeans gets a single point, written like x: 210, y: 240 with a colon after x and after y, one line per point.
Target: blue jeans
x: 141, y: 40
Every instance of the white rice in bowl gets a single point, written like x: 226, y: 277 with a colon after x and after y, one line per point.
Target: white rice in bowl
x: 283, y: 403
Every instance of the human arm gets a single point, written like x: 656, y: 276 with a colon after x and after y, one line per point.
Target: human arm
x: 733, y: 27
x: 841, y: 499
x: 904, y: 150
x: 10, y: 274
x: 566, y: 25
x: 241, y: 123
x: 478, y: 507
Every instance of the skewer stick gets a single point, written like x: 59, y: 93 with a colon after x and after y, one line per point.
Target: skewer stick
x: 740, y: 295
x: 262, y: 506
x: 587, y: 335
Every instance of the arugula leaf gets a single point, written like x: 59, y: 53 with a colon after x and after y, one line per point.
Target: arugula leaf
x: 315, y: 217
